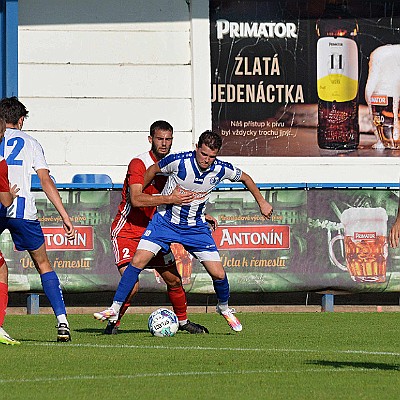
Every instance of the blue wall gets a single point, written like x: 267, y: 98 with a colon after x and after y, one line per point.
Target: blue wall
x: 9, y: 48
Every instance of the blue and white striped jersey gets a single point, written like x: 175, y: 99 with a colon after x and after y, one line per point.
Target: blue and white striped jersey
x: 184, y: 172
x: 24, y: 156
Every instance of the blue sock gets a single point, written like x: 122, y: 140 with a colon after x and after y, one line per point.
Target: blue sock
x: 221, y: 287
x: 127, y: 282
x: 52, y: 289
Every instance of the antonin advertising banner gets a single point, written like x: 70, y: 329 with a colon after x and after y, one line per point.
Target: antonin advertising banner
x: 317, y: 240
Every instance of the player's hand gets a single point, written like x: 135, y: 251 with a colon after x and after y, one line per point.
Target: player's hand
x: 394, y: 234
x: 181, y: 196
x: 266, y: 209
x: 69, y: 229
x: 14, y: 191
x: 212, y: 222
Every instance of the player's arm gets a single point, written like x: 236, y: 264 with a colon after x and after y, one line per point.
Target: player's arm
x: 7, y: 192
x: 394, y: 235
x: 49, y: 188
x: 265, y: 207
x: 140, y: 199
x: 7, y: 198
x: 211, y: 221
x: 151, y: 173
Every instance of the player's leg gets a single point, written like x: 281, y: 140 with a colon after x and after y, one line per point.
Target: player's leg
x: 113, y: 324
x: 149, y: 245
x: 221, y: 287
x: 52, y: 289
x: 200, y: 243
x: 4, y: 337
x: 176, y: 292
x: 124, y: 248
x: 28, y: 235
x: 3, y: 288
x: 126, y: 284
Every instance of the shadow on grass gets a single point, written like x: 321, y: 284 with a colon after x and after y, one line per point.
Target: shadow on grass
x: 353, y: 364
x: 101, y: 330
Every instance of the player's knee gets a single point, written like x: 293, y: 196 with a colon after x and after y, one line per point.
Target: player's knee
x: 141, y: 258
x: 173, y: 282
x: 218, y: 276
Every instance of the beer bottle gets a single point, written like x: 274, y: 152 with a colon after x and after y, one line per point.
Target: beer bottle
x: 337, y: 77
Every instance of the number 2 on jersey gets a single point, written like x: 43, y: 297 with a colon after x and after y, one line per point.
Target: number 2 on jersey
x: 17, y: 145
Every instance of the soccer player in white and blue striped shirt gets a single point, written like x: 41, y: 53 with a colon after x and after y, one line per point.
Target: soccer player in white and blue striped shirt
x: 197, y: 173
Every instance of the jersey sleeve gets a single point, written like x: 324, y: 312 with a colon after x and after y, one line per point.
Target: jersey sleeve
x: 232, y: 173
x: 4, y: 183
x: 39, y: 160
x: 136, y: 170
x: 169, y: 164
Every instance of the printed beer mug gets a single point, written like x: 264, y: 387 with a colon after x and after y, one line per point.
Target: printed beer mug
x: 365, y: 244
x: 382, y: 93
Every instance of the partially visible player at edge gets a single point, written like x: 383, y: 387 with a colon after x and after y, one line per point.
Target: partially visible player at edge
x: 25, y: 156
x: 195, y: 172
x: 7, y: 195
x: 135, y: 210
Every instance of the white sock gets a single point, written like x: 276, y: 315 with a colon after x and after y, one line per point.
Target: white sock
x: 223, y: 306
x: 183, y: 322
x: 62, y: 319
x: 116, y: 305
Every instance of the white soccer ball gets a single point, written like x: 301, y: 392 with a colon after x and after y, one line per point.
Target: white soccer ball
x: 163, y: 322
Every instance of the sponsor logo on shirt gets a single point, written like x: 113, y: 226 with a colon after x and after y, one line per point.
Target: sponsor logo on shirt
x: 197, y: 195
x: 199, y: 181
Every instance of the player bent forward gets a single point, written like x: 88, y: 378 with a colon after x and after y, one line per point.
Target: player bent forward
x: 197, y: 172
x: 137, y: 206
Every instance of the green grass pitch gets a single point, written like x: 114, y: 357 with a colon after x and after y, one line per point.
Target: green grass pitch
x: 276, y: 356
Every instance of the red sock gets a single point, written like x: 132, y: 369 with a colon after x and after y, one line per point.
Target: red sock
x: 177, y: 297
x: 3, y: 301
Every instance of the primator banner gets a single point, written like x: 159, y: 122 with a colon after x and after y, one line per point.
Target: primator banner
x: 317, y: 239
x: 306, y: 78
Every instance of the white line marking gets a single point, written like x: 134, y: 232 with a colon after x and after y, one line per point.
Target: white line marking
x: 127, y: 346
x: 169, y: 374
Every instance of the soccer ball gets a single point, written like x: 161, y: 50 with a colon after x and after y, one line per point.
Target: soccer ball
x: 163, y: 322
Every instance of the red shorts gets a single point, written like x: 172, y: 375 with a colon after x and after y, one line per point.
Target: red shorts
x: 124, y: 249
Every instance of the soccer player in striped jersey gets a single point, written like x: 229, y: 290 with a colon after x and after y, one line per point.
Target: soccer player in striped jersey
x: 7, y: 195
x: 24, y: 156
x: 195, y: 172
x: 135, y: 210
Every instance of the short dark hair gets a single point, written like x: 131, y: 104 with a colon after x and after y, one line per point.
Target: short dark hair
x: 160, y: 125
x: 11, y: 110
x: 211, y: 139
x: 2, y: 124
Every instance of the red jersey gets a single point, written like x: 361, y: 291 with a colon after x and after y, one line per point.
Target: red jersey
x: 132, y: 221
x: 4, y: 183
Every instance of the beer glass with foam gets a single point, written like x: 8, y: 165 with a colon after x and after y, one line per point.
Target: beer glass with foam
x: 365, y: 244
x: 382, y: 93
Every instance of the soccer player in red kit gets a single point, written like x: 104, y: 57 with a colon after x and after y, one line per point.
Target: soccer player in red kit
x: 7, y: 195
x: 135, y: 210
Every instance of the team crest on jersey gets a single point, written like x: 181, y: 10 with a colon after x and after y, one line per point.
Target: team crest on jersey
x: 147, y: 233
x: 214, y: 180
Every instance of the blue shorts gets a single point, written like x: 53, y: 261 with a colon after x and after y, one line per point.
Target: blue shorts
x: 197, y: 240
x: 26, y: 234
